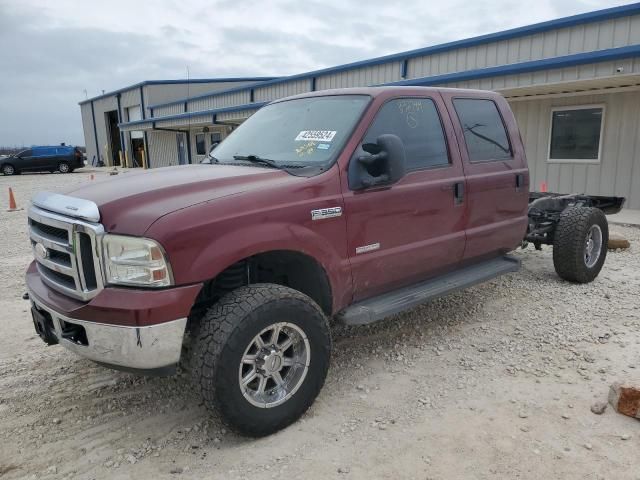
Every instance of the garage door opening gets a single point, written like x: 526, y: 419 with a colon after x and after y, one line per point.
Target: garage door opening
x: 114, y: 136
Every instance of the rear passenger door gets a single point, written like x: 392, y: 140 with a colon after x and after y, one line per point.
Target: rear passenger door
x: 44, y: 158
x: 495, y: 168
x: 413, y: 229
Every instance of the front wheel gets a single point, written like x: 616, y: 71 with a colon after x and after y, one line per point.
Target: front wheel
x: 261, y: 356
x: 64, y: 167
x: 580, y: 244
x: 8, y: 169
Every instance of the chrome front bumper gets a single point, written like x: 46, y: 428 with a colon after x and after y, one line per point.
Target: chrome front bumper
x: 154, y: 347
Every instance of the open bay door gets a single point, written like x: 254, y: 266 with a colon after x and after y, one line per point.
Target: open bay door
x: 137, y: 137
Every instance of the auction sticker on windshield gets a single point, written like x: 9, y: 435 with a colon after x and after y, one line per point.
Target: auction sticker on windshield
x: 316, y: 135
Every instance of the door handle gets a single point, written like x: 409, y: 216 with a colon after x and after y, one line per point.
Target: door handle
x: 519, y: 181
x: 458, y: 192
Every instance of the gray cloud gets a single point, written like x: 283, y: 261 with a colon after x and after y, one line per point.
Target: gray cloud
x: 51, y: 54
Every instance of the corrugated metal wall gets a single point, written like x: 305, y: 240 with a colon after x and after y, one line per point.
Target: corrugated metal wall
x: 554, y: 43
x: 163, y: 148
x: 581, y: 72
x: 619, y: 169
x: 155, y: 94
x: 360, y: 77
x: 220, y: 101
x: 89, y: 137
x: 101, y: 106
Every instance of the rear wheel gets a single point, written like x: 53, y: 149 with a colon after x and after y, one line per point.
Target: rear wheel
x: 261, y: 357
x: 8, y: 169
x: 64, y: 167
x: 580, y: 244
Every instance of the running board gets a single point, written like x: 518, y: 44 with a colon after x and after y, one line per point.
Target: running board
x: 385, y: 305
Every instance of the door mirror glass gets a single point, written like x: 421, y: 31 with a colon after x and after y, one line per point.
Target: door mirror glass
x: 376, y: 164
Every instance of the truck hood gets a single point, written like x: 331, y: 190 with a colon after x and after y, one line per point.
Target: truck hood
x: 132, y: 201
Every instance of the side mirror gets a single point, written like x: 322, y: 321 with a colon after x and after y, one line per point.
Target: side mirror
x: 383, y: 164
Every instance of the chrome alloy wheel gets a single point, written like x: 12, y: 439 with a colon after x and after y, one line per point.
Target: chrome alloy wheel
x: 593, y: 246
x: 274, y: 365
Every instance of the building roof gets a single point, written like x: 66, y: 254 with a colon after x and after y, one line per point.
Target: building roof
x: 179, y: 81
x: 564, y: 22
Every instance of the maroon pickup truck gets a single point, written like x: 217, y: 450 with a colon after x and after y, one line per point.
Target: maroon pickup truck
x: 350, y: 205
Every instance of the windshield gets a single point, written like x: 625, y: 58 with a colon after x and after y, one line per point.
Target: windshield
x: 308, y: 132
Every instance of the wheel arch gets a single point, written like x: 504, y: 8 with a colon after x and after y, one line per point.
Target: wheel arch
x: 291, y: 268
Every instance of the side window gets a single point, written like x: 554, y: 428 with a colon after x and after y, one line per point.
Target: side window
x: 484, y: 131
x: 200, y: 147
x: 417, y: 123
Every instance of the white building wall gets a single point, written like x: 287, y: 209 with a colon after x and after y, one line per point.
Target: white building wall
x: 553, y: 43
x: 89, y: 136
x: 618, y: 172
x: 101, y: 106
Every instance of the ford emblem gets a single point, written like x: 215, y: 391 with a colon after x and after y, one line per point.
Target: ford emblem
x: 41, y: 251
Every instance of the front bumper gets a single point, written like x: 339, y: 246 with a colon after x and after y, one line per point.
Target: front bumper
x: 148, y: 348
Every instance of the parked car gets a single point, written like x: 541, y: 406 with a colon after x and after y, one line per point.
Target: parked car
x: 350, y: 205
x: 61, y: 158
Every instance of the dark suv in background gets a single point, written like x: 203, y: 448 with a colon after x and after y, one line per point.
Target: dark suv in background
x: 61, y: 158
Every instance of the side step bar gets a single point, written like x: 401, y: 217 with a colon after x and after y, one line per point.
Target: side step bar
x: 385, y: 305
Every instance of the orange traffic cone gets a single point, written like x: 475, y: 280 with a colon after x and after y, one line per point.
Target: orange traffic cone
x: 543, y: 186
x: 12, y: 202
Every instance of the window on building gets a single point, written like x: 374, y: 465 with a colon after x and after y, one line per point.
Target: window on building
x: 484, y: 131
x: 417, y: 123
x: 575, y: 133
x: 216, y: 137
x: 200, y: 145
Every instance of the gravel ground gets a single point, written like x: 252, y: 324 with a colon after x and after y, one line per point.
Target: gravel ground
x: 493, y: 382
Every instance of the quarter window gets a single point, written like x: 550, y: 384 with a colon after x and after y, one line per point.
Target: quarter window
x: 484, y: 132
x: 417, y: 123
x: 200, y: 146
x: 575, y: 133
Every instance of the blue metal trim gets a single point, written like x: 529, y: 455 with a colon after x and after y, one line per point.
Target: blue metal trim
x: 525, y: 67
x: 598, y: 15
x: 178, y: 116
x: 142, y: 103
x: 95, y: 133
x: 173, y: 82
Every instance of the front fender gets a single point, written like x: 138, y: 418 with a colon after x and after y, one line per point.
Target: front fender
x: 233, y: 246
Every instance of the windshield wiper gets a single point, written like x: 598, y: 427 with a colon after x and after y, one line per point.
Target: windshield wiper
x: 257, y: 159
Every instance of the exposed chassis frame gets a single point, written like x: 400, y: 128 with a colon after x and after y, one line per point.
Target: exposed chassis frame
x: 545, y: 209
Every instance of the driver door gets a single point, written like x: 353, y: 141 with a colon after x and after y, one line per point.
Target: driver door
x: 414, y: 229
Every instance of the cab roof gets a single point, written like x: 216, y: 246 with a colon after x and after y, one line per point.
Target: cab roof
x: 390, y: 91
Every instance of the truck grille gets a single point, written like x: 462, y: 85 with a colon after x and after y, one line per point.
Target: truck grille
x: 66, y: 252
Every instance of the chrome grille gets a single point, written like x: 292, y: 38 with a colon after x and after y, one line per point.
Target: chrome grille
x: 66, y: 250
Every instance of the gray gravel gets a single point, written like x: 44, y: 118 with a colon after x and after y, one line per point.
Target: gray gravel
x: 497, y: 381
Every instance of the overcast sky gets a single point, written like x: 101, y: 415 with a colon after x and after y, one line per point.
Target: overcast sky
x: 55, y: 53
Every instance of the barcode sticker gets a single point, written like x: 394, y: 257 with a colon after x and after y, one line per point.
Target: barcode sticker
x: 316, y: 135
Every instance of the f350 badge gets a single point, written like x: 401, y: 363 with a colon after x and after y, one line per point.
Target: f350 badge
x: 323, y: 213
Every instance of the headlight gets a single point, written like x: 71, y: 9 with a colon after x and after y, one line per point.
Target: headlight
x: 135, y: 261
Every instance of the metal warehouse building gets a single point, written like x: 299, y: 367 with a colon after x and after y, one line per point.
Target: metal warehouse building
x: 573, y: 84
